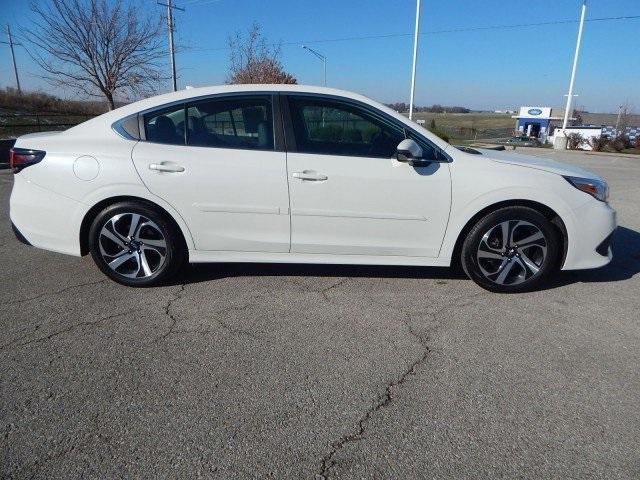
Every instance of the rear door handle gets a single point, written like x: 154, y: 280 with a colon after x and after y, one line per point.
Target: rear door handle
x: 166, y: 167
x: 310, y: 175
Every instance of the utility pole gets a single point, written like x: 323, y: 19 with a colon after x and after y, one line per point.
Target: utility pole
x: 11, y: 43
x: 321, y: 57
x: 171, y: 28
x: 567, y: 110
x: 619, y: 115
x: 415, y: 58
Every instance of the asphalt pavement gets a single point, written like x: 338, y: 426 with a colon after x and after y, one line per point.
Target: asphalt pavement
x: 281, y: 371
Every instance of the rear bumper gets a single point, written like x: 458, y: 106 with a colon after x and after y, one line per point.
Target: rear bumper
x: 44, y: 219
x: 21, y: 238
x: 590, y: 238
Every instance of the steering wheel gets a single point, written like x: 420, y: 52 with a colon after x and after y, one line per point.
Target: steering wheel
x: 379, y: 142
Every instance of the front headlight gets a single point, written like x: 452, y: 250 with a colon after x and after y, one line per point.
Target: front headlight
x: 596, y: 188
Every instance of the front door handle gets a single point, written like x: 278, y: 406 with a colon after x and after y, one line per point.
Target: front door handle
x: 166, y: 167
x: 310, y: 175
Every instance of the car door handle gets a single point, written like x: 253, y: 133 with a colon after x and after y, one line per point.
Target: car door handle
x: 310, y: 175
x: 165, y: 167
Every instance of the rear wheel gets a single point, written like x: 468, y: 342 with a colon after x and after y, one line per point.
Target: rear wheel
x: 134, y: 244
x: 511, y: 250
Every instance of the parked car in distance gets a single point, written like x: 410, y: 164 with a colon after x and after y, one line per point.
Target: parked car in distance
x: 298, y: 174
x: 523, y: 141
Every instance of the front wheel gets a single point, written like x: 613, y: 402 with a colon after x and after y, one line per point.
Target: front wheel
x: 512, y: 249
x: 134, y: 244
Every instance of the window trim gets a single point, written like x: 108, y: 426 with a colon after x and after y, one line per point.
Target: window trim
x: 278, y: 132
x: 371, y: 110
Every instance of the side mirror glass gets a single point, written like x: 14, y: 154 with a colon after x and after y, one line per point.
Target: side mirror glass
x: 408, y: 151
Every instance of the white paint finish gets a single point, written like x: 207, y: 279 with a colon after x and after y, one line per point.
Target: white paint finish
x: 370, y: 206
x: 230, y: 198
x: 236, y: 202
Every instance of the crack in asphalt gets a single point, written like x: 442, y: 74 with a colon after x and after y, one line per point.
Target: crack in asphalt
x: 167, y: 311
x: 216, y: 317
x: 15, y: 343
x: 224, y: 325
x: 57, y: 292
x: 327, y: 462
x: 322, y: 291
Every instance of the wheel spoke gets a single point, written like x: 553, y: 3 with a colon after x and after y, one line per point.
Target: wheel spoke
x: 527, y: 263
x: 154, y: 243
x: 135, y: 273
x: 119, y: 260
x: 505, y: 271
x: 492, y: 255
x: 133, y: 226
x: 504, y: 226
x: 531, y: 239
x: 145, y: 264
x: 113, y: 237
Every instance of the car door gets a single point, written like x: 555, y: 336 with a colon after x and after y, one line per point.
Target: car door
x: 217, y: 162
x: 349, y: 195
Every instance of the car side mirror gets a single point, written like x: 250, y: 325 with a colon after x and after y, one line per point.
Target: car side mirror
x: 408, y: 151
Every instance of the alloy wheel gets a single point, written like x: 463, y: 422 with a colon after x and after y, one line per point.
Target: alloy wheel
x: 132, y: 245
x: 511, y: 252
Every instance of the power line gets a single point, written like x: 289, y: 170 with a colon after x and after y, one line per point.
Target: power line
x: 436, y: 32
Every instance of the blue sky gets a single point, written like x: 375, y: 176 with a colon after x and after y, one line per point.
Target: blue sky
x: 485, y: 69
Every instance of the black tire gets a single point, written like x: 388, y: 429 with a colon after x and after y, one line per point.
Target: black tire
x: 511, y: 268
x: 155, y: 263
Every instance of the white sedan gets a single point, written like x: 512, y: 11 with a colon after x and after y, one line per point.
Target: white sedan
x: 288, y: 173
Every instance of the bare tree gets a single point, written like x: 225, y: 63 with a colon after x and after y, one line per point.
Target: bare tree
x: 97, y: 47
x: 253, y: 61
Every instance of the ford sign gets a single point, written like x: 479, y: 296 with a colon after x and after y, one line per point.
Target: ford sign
x: 534, y: 111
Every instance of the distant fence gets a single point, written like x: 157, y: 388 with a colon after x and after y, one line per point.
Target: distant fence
x: 14, y: 125
x: 466, y: 133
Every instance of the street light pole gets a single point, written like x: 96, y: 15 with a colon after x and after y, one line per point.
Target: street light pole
x: 415, y: 58
x: 321, y: 57
x: 567, y: 110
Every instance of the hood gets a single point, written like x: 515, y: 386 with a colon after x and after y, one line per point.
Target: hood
x: 538, y: 163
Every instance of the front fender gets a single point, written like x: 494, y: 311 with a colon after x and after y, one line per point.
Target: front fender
x: 461, y: 217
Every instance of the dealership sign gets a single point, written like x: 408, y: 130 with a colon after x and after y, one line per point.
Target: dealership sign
x: 535, y: 112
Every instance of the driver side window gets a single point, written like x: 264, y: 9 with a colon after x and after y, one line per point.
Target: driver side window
x: 337, y: 128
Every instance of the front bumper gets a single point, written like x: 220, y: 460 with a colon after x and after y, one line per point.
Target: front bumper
x: 590, y: 237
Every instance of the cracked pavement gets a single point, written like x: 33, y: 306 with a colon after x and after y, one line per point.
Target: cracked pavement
x: 294, y: 371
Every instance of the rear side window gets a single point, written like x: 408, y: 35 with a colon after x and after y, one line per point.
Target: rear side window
x: 231, y: 122
x: 165, y: 126
x: 338, y: 128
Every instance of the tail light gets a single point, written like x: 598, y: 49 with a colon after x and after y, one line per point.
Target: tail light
x: 21, y: 158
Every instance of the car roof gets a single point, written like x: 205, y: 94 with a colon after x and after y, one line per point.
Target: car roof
x: 191, y: 92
